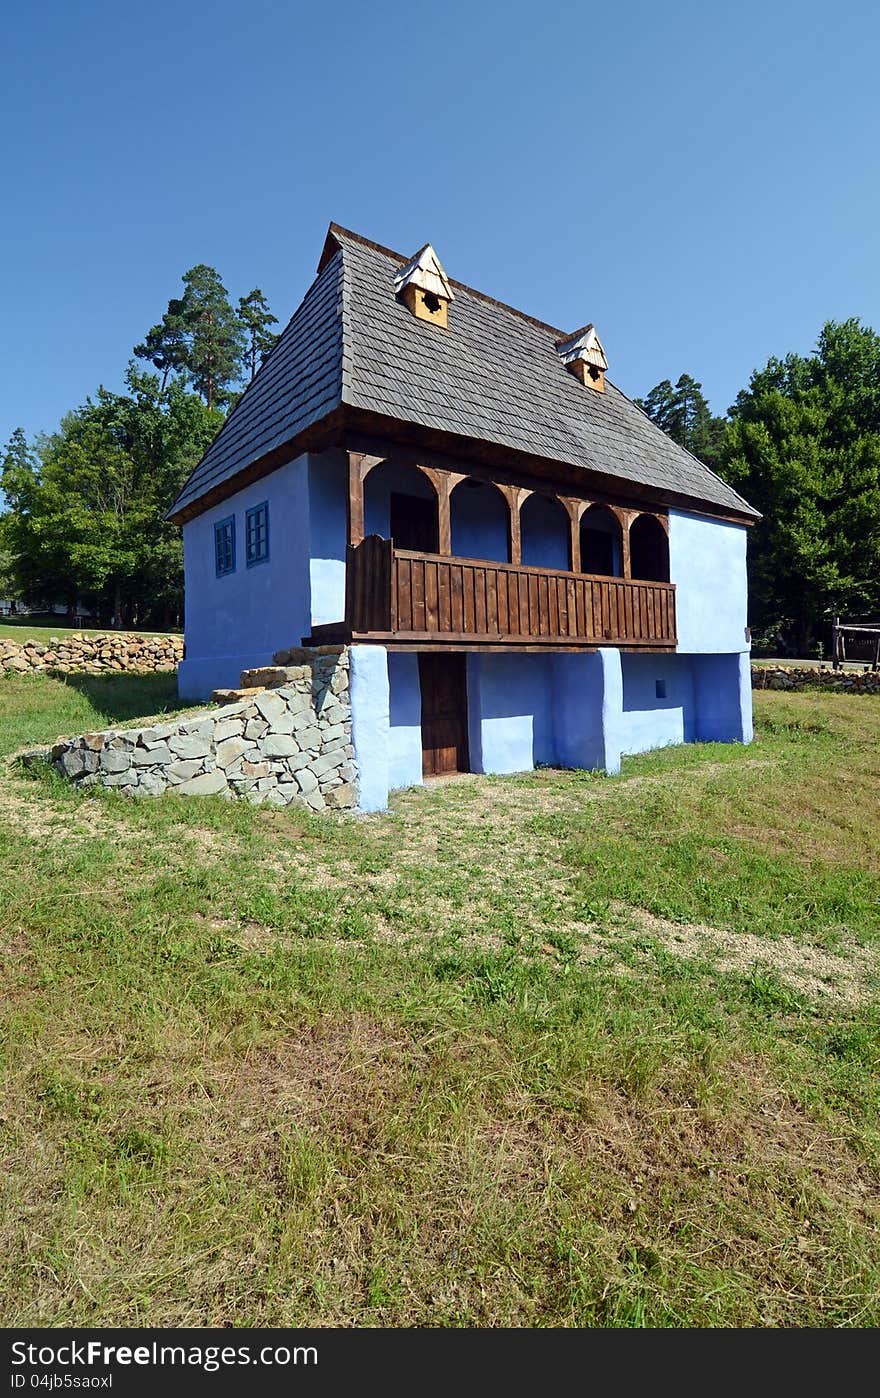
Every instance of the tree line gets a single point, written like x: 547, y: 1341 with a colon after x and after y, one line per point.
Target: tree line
x: 84, y: 506
x: 802, y: 444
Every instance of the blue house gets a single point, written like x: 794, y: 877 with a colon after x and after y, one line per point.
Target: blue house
x: 523, y: 567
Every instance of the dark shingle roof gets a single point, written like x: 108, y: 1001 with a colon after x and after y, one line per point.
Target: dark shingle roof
x: 495, y: 375
x: 299, y: 384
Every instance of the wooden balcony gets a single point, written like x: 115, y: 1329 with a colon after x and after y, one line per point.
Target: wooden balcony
x: 398, y: 596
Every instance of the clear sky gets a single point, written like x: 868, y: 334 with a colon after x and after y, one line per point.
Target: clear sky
x: 700, y: 179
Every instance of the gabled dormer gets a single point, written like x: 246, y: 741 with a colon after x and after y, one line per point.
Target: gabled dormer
x: 583, y: 355
x: 424, y: 287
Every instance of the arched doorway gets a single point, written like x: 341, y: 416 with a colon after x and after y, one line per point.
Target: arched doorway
x: 649, y: 549
x: 544, y: 533
x: 480, y: 521
x: 400, y: 503
x: 601, y: 542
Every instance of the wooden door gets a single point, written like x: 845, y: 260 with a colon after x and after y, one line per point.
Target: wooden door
x: 414, y: 523
x: 443, y: 682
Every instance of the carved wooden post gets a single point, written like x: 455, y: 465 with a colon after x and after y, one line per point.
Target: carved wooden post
x: 574, y: 509
x: 355, y: 498
x: 625, y: 518
x: 445, y: 482
x: 514, y: 495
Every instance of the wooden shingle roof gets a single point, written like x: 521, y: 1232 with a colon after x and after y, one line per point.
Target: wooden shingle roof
x: 495, y: 376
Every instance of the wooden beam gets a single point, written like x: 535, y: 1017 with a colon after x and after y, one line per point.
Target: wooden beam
x: 445, y: 482
x: 355, y: 498
x: 370, y: 431
x: 514, y: 495
x: 574, y: 509
x: 625, y: 519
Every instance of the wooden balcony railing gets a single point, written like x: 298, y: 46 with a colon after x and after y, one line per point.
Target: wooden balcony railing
x: 395, y: 594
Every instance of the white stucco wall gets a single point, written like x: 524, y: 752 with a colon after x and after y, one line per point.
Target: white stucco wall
x: 240, y: 619
x: 707, y: 562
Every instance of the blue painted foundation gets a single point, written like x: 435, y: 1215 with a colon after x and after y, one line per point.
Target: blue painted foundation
x: 566, y: 709
x: 510, y: 725
x: 370, y: 706
x: 588, y: 697
x: 405, y: 721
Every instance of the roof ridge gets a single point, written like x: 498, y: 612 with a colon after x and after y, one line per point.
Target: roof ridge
x: 336, y: 229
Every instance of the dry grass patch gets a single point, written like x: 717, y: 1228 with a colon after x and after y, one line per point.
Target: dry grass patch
x: 850, y: 978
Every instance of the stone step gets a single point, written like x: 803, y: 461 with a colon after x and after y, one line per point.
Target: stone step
x: 233, y: 696
x: 273, y: 676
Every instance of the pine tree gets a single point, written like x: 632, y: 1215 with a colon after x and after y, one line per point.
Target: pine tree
x: 255, y: 317
x: 200, y: 337
x: 215, y: 335
x: 166, y: 344
x: 683, y: 413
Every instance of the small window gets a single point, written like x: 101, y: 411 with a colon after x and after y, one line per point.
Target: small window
x: 257, y: 534
x: 224, y: 546
x: 660, y: 689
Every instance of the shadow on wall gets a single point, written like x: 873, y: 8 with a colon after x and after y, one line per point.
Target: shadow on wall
x: 118, y: 698
x: 510, y: 712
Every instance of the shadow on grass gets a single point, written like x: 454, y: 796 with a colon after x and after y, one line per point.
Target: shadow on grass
x: 118, y: 698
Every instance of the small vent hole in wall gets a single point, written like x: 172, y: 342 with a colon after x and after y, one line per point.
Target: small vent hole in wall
x: 660, y: 689
x: 432, y: 302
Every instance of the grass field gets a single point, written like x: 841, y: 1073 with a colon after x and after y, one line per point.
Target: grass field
x: 557, y: 1050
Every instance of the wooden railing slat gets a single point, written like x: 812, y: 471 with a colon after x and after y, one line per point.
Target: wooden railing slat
x: 392, y: 590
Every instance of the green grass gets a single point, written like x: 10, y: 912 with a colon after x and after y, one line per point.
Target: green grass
x: 41, y: 628
x: 557, y: 1050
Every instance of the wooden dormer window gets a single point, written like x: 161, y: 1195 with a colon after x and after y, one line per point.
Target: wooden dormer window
x: 583, y: 355
x: 423, y: 286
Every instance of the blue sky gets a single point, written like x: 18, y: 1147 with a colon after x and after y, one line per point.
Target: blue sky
x: 698, y: 179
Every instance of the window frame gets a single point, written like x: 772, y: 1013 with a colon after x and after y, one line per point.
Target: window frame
x: 248, y: 516
x: 220, y: 526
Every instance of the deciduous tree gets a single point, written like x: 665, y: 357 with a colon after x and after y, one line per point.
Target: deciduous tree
x: 86, y: 514
x: 804, y: 448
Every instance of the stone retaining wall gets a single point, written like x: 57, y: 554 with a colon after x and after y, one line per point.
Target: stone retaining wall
x: 92, y: 654
x: 286, y: 744
x: 804, y: 677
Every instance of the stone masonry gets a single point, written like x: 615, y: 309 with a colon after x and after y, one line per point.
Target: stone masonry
x: 808, y: 677
x: 284, y: 739
x: 91, y: 654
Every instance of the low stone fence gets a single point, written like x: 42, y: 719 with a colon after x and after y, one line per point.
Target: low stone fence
x: 92, y: 654
x: 804, y: 677
x: 287, y: 744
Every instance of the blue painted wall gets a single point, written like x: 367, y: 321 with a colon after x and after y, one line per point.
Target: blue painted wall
x: 510, y: 712
x: 587, y: 698
x: 603, y: 522
x: 544, y: 533
x: 707, y: 561
x: 385, y: 481
x: 328, y: 523
x: 405, y: 720
x: 239, y: 620
x: 723, y: 696
x: 651, y: 720
x: 370, y: 724
x: 479, y: 517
